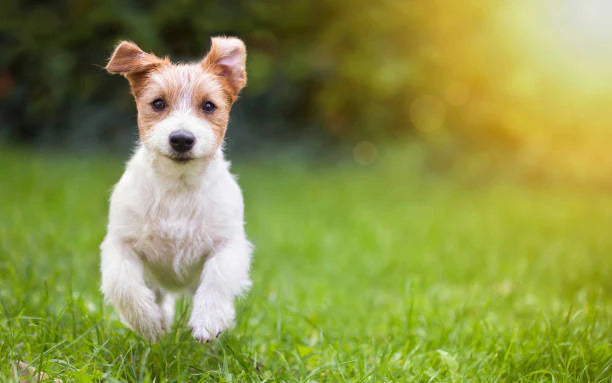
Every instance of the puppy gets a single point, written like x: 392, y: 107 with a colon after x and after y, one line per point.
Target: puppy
x: 176, y: 215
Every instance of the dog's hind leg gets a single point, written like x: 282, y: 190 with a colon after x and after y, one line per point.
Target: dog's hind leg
x: 166, y: 302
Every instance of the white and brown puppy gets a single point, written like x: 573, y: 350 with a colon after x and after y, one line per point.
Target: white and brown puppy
x: 176, y: 215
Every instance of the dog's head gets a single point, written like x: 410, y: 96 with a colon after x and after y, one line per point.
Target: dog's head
x: 183, y: 109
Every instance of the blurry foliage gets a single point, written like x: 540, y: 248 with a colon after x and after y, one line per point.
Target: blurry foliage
x: 489, y: 74
x: 347, y: 69
x: 322, y: 66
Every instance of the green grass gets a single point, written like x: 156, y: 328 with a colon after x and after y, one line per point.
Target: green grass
x: 381, y: 273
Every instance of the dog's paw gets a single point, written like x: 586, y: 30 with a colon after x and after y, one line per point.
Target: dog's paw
x: 150, y: 328
x: 144, y: 317
x: 203, y: 335
x: 210, y: 317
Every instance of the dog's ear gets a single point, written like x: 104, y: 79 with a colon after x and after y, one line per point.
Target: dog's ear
x: 131, y: 62
x: 227, y: 59
x: 129, y: 58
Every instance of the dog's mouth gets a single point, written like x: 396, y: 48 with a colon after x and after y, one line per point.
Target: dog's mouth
x: 180, y: 158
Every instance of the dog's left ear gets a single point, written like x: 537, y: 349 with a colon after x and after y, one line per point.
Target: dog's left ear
x: 227, y: 59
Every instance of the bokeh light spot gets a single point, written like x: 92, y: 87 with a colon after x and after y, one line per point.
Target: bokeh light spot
x: 427, y: 113
x: 365, y: 152
x: 457, y: 93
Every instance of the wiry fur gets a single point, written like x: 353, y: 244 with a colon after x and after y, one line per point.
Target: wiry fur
x: 177, y: 227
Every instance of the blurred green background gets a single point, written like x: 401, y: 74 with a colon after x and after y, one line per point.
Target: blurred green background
x: 525, y: 82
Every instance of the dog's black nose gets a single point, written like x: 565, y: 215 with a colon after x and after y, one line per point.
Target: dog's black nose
x: 182, y: 141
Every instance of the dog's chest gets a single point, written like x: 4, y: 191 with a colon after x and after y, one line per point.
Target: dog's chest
x: 176, y: 236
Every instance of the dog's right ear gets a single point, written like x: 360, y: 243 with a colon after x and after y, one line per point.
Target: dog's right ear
x: 131, y: 62
x: 129, y: 58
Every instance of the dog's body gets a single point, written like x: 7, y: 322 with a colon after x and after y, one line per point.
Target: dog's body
x: 176, y: 215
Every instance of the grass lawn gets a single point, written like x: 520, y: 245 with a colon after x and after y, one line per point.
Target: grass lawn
x: 380, y: 273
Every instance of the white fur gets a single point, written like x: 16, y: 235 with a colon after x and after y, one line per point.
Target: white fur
x: 175, y: 228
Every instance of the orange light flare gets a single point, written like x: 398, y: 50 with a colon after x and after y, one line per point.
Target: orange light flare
x: 541, y: 71
x: 564, y: 51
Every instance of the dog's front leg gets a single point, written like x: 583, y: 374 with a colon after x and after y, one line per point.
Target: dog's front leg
x: 225, y: 275
x: 124, y: 286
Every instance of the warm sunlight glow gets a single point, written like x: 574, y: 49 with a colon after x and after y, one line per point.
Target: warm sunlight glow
x: 586, y: 25
x: 568, y: 41
x: 532, y: 75
x: 582, y: 32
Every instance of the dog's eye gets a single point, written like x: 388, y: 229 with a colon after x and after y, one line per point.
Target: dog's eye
x: 158, y: 105
x: 208, y: 107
